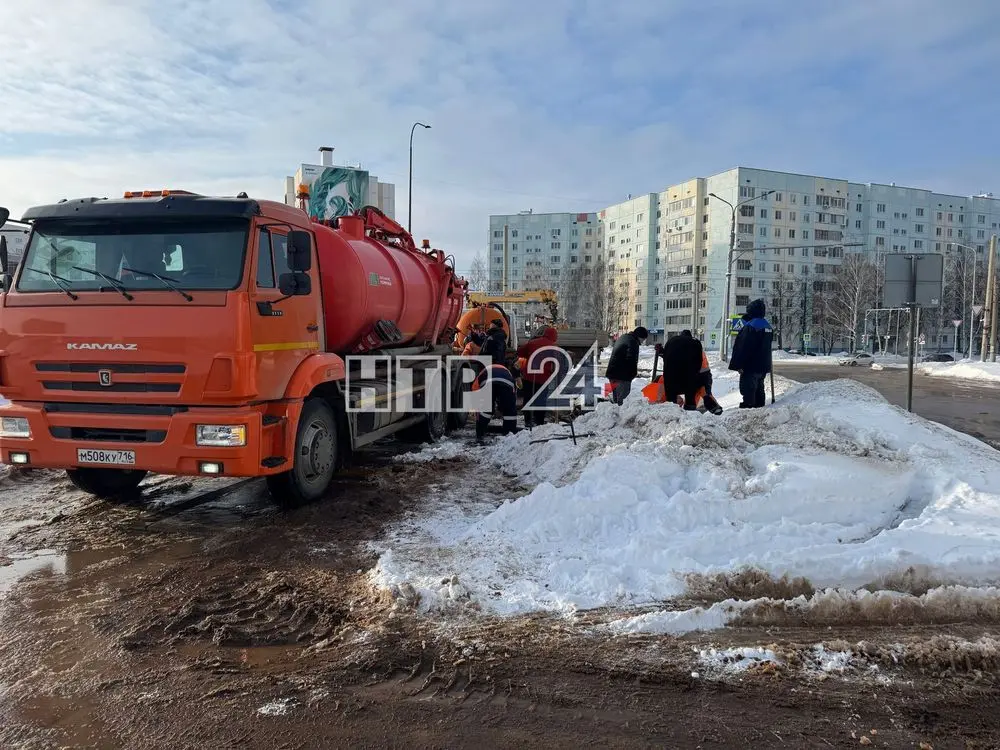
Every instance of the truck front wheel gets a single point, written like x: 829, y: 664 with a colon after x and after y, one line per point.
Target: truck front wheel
x: 107, y: 483
x: 315, y: 459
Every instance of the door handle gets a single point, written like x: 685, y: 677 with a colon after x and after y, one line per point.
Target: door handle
x: 312, y: 328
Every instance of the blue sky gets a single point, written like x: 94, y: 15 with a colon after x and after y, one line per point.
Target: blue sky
x: 550, y: 105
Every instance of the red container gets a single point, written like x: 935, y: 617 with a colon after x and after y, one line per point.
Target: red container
x: 365, y: 281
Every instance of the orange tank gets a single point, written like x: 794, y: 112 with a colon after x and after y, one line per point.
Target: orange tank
x: 365, y: 281
x: 480, y: 316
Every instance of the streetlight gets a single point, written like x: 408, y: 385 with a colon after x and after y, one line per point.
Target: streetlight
x: 724, y: 352
x: 972, y: 312
x: 409, y: 208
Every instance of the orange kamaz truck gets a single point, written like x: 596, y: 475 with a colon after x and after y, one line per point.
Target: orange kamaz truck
x: 176, y: 333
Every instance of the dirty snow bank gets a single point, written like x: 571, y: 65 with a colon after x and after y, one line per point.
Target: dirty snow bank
x: 831, y: 483
x: 965, y: 369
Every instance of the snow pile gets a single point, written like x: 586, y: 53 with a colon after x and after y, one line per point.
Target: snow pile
x: 966, y: 369
x: 831, y: 483
x: 791, y: 358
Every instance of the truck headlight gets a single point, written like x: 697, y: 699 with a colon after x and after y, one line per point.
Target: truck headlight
x: 14, y: 427
x: 221, y: 435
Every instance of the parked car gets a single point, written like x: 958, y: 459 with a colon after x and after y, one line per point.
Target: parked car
x: 863, y: 359
x: 938, y: 358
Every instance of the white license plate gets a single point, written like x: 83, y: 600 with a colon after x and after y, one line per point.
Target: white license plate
x: 110, y: 458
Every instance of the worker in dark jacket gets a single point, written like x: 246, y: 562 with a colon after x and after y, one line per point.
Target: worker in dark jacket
x: 501, y: 381
x: 682, y: 358
x: 535, y: 374
x: 495, y: 345
x: 751, y: 355
x: 624, y: 363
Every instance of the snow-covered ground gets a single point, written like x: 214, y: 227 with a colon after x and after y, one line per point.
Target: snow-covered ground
x: 965, y: 369
x: 831, y: 483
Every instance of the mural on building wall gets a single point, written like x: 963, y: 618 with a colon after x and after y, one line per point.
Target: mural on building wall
x: 337, y: 191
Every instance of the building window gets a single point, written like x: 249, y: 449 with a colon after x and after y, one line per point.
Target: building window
x: 747, y: 211
x: 920, y: 212
x: 744, y: 283
x: 880, y: 224
x: 763, y: 213
x: 805, y: 252
x: 918, y: 228
x: 805, y: 200
x: 857, y: 224
x: 745, y: 192
x: 896, y: 215
x: 497, y: 233
x: 791, y: 234
x: 981, y: 219
x: 744, y: 265
x: 554, y: 259
x: 805, y: 234
x: 763, y: 232
x: 777, y: 215
x: 554, y: 272
x: 880, y: 208
x: 556, y: 232
x: 857, y: 207
x: 742, y: 300
x: 744, y: 228
x: 880, y: 241
x: 918, y: 244
x: 939, y: 216
x: 778, y: 197
x: 777, y: 231
x: 938, y: 231
x: 980, y: 234
x: 706, y: 201
x: 586, y: 258
x: 961, y: 218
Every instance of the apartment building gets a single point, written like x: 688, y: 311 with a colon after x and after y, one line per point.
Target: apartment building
x: 669, y: 251
x: 531, y: 250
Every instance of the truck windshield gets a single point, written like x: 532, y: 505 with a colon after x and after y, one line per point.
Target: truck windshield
x: 195, y: 255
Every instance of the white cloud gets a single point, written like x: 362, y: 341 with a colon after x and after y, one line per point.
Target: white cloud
x: 555, y: 105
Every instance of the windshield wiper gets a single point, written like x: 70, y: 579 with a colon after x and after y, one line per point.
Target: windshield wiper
x: 57, y: 280
x: 165, y: 280
x: 115, y: 283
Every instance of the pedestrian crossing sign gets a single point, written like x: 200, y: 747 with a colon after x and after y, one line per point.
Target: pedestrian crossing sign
x: 735, y: 324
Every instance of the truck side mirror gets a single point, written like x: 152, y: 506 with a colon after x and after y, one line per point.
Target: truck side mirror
x: 299, y: 251
x: 4, y: 260
x: 4, y: 215
x: 296, y: 284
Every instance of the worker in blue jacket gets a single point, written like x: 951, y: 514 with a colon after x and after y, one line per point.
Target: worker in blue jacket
x: 751, y: 355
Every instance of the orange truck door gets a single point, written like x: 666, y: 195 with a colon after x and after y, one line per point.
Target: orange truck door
x: 286, y: 332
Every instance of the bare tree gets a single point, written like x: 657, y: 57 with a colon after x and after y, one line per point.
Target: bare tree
x: 856, y: 280
x: 823, y: 324
x: 479, y: 274
x: 786, y: 309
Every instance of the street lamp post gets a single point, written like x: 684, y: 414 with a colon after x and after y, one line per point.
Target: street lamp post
x: 972, y: 311
x: 724, y: 351
x: 409, y: 197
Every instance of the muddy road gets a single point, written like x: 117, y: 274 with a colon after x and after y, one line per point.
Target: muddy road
x: 204, y: 617
x: 972, y: 407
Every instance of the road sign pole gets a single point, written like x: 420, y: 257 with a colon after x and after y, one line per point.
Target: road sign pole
x: 913, y: 331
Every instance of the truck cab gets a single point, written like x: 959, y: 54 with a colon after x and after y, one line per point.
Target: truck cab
x: 172, y: 333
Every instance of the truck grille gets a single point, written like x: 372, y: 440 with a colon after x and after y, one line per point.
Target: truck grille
x: 108, y: 435
x: 111, y: 377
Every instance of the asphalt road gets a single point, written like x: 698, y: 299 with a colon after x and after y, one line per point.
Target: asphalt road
x: 968, y: 406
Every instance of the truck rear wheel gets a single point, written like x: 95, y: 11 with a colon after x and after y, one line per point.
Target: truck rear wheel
x: 315, y: 459
x: 457, y: 420
x: 107, y: 483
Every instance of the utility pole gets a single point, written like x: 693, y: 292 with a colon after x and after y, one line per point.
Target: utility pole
x: 995, y: 301
x: 914, y: 311
x: 989, y: 318
x: 724, y: 344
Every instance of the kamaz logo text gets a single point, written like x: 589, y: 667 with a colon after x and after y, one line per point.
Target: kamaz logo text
x: 103, y: 347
